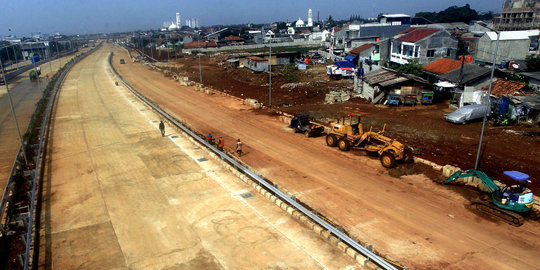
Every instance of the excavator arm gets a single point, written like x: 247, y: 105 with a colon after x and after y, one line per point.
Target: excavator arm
x: 490, y: 185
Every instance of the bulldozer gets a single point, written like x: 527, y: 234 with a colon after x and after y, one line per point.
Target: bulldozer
x: 346, y: 134
x: 508, y: 203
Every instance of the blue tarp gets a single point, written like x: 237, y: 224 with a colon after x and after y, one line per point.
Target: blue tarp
x: 345, y: 64
x: 349, y: 57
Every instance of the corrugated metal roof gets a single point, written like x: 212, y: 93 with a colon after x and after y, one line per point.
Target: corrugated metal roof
x: 513, y: 35
x: 386, y: 77
x: 394, y: 81
x: 256, y: 58
x: 471, y: 72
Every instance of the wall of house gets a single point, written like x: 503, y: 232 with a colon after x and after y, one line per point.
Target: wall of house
x: 508, y: 50
x: 440, y: 43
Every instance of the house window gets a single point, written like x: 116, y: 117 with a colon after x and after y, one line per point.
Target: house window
x: 430, y: 53
x: 448, y: 52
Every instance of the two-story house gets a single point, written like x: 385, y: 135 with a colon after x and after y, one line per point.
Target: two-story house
x: 423, y: 45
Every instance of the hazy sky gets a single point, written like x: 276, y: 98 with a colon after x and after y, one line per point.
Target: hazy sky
x: 92, y: 16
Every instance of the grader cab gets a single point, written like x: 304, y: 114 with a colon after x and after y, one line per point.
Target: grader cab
x: 348, y: 132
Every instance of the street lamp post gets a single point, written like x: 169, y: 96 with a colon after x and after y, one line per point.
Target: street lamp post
x: 489, y: 101
x: 13, y: 112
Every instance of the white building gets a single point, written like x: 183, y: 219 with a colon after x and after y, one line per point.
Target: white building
x: 310, y: 18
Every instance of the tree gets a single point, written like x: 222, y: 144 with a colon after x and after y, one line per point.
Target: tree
x: 330, y: 21
x: 533, y: 63
x: 453, y: 14
x: 412, y: 67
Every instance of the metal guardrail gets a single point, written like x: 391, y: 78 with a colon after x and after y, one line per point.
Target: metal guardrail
x: 343, y: 237
x: 44, y: 127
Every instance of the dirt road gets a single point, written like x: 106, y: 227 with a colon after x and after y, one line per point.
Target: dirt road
x: 118, y: 195
x: 410, y: 219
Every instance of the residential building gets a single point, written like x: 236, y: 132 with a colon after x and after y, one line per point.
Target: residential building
x: 379, y: 83
x: 533, y: 78
x: 503, y: 87
x: 441, y: 66
x: 423, y: 45
x: 513, y: 45
x: 472, y: 75
x: 257, y: 64
x: 519, y: 15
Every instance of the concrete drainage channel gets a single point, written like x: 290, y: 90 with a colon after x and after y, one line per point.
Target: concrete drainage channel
x: 330, y: 233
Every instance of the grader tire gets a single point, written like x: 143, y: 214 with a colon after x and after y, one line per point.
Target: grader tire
x: 344, y: 145
x: 331, y: 140
x: 388, y: 160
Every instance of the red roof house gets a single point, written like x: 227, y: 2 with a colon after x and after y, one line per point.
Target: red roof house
x: 503, y: 87
x: 442, y: 66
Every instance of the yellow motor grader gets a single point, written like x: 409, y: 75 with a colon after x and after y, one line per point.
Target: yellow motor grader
x: 346, y: 134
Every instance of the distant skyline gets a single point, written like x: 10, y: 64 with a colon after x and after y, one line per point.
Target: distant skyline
x: 89, y: 17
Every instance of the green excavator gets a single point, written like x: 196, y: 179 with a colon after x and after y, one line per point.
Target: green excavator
x: 509, y: 203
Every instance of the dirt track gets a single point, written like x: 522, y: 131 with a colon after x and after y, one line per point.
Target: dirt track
x: 411, y: 219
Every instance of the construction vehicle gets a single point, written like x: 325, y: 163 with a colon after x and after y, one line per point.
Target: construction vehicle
x: 301, y: 124
x: 509, y: 203
x: 346, y: 135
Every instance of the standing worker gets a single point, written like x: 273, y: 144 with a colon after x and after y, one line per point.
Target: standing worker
x: 221, y: 143
x: 162, y: 128
x: 239, y: 147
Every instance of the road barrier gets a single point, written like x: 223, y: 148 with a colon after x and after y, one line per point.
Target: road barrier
x: 29, y: 174
x: 331, y: 230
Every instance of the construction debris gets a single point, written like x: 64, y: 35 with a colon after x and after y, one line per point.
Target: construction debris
x: 337, y: 96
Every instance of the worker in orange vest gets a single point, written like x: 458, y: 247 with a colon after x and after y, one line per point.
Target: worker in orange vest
x: 221, y: 143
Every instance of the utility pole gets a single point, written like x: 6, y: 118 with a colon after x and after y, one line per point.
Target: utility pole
x: 488, y: 107
x: 15, y: 53
x: 13, y: 112
x: 58, y: 53
x: 199, y: 54
x: 270, y: 75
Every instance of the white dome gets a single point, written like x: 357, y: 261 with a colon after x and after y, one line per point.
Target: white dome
x: 300, y: 23
x: 172, y: 26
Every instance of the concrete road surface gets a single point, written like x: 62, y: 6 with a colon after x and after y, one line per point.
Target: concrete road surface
x: 412, y: 219
x: 118, y: 195
x: 25, y: 94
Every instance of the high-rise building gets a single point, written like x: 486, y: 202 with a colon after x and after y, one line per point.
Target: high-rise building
x: 178, y: 22
x: 518, y: 15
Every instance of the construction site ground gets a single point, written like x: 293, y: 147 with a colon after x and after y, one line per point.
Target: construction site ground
x: 403, y: 212
x: 118, y: 195
x: 421, y: 127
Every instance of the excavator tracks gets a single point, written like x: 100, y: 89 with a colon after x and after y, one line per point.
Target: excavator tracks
x: 487, y: 207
